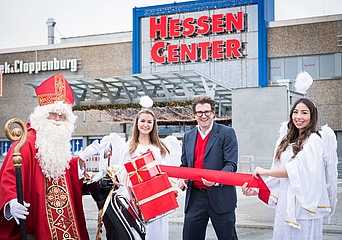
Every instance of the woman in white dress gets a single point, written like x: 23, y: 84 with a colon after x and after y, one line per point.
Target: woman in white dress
x: 297, y: 178
x: 144, y: 137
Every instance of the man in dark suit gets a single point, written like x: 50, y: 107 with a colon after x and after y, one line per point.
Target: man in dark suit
x: 209, y: 146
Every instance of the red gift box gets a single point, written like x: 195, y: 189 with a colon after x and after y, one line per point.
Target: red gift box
x: 154, y: 197
x: 142, y: 168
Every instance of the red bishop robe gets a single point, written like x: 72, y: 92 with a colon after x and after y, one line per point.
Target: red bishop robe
x: 56, y: 210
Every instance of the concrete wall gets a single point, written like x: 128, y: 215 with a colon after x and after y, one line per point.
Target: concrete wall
x: 303, y: 37
x: 327, y: 95
x: 258, y: 114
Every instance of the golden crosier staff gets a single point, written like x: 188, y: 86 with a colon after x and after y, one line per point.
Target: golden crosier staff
x: 15, y: 135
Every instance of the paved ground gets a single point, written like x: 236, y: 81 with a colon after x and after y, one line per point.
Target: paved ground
x: 254, y: 219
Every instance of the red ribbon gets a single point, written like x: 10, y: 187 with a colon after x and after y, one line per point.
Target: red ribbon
x: 228, y: 178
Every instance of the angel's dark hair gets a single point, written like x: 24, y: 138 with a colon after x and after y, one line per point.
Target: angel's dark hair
x: 293, y: 135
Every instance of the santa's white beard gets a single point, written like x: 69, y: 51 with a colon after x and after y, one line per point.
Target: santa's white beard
x: 53, y: 138
x: 53, y: 144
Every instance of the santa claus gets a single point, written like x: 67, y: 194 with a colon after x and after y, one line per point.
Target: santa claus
x: 52, y: 178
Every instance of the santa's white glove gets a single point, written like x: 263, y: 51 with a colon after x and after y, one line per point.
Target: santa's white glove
x: 112, y: 137
x: 90, y: 150
x: 17, y: 210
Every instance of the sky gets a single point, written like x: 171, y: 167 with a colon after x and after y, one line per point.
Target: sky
x: 23, y: 22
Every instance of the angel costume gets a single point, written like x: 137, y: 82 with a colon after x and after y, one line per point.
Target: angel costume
x: 159, y: 228
x: 301, y: 200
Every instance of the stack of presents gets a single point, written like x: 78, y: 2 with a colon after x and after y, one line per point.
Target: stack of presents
x: 151, y: 190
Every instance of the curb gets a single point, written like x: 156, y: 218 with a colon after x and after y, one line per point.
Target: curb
x: 334, y: 229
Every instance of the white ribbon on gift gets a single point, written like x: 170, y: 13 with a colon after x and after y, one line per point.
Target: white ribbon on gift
x: 155, y: 196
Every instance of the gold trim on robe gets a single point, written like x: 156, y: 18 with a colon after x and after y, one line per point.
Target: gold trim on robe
x: 59, y: 210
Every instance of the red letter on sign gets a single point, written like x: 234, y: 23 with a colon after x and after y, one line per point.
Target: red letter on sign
x: 173, y: 55
x: 157, y: 52
x: 174, y: 28
x: 231, y: 21
x: 232, y: 48
x: 188, y: 26
x: 217, y: 23
x: 187, y: 52
x: 160, y: 27
x: 217, y: 52
x: 203, y: 24
x: 203, y: 47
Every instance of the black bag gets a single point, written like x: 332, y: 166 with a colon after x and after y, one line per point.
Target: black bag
x: 99, y: 190
x: 120, y: 219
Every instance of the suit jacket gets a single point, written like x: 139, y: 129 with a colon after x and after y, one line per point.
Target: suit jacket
x: 221, y: 154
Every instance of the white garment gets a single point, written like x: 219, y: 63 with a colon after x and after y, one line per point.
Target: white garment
x: 158, y: 229
x: 301, y: 200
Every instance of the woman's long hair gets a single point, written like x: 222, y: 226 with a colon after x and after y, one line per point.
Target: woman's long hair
x: 154, y: 138
x: 292, y: 136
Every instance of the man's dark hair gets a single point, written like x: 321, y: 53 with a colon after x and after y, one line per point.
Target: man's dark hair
x: 203, y: 100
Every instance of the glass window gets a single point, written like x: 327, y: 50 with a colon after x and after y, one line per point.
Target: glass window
x: 327, y: 66
x: 338, y: 65
x: 291, y: 67
x: 276, y: 69
x: 310, y: 65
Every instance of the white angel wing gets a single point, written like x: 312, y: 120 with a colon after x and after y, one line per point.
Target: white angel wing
x: 175, y: 149
x: 273, y: 182
x: 117, y: 143
x: 330, y: 163
x: 283, y: 129
x: 174, y: 158
x: 282, y: 133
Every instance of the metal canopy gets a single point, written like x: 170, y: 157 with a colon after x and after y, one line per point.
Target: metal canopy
x: 161, y: 87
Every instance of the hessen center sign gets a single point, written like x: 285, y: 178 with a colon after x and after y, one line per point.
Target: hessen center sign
x: 164, y: 27
x: 224, y: 40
